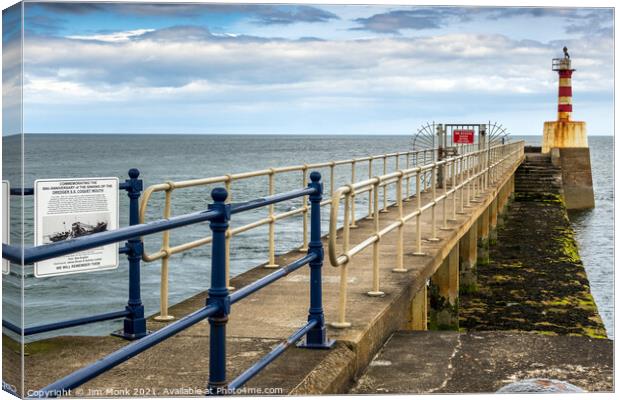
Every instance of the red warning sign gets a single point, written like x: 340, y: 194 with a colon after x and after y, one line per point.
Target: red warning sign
x: 463, y: 136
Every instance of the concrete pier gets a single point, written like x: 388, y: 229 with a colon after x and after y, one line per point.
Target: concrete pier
x: 451, y: 264
x: 262, y: 320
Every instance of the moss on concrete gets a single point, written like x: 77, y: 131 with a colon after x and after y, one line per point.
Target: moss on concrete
x: 443, y: 315
x: 535, y: 280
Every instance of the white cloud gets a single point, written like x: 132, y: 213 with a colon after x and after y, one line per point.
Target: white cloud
x: 112, y: 37
x: 482, y: 63
x: 233, y: 76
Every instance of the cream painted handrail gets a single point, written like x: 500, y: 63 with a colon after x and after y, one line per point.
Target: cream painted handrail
x: 166, y: 250
x: 470, y: 175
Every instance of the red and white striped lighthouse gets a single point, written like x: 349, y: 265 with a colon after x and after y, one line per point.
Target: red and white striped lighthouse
x: 566, y: 142
x: 565, y: 92
x: 564, y: 132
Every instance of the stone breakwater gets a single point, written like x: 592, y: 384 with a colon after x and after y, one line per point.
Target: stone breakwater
x: 534, y: 280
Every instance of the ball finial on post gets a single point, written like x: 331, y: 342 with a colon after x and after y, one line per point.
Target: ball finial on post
x: 133, y: 173
x: 315, y: 176
x: 219, y: 194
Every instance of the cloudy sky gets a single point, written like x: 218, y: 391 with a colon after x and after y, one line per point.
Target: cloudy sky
x: 302, y: 69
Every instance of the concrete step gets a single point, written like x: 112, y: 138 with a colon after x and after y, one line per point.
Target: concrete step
x: 539, y: 164
x: 538, y: 183
x: 536, y: 175
x: 540, y: 169
x: 540, y: 180
x: 535, y: 185
x: 547, y: 185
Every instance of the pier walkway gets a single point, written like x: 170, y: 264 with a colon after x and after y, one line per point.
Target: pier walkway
x: 483, y: 362
x: 259, y: 322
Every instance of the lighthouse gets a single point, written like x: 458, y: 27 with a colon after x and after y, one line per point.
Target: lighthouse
x: 564, y: 132
x: 566, y: 143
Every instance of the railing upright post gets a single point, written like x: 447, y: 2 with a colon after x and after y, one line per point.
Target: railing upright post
x: 462, y: 186
x: 474, y: 174
x: 385, y: 203
x: 165, y: 262
x: 316, y: 338
x: 272, y: 222
x: 218, y: 294
x: 400, y: 255
x: 304, y: 246
x: 375, y: 292
x: 332, y: 184
x: 342, y: 292
x: 352, y: 222
x: 487, y: 178
x: 228, y: 233
x: 444, y: 182
x: 134, y: 325
x: 468, y: 167
x: 418, y: 217
x: 370, y: 192
x: 434, y: 237
x: 408, y: 179
x: 424, y: 184
x: 453, y: 190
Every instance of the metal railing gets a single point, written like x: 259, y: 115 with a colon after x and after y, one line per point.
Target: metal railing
x: 465, y: 176
x: 408, y: 159
x: 134, y: 326
x: 219, y: 300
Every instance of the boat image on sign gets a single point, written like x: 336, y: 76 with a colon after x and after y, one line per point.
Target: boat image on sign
x: 79, y: 229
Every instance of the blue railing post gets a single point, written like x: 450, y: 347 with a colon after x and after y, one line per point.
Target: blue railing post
x: 134, y: 325
x: 316, y: 338
x: 218, y: 293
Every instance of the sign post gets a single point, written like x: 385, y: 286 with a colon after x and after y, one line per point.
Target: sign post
x: 71, y: 208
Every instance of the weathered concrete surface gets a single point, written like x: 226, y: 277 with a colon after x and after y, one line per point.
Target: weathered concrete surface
x: 260, y: 321
x: 576, y: 176
x: 564, y: 134
x: 483, y: 362
x: 535, y: 280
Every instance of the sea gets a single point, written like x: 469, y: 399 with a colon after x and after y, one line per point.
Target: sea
x: 162, y: 158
